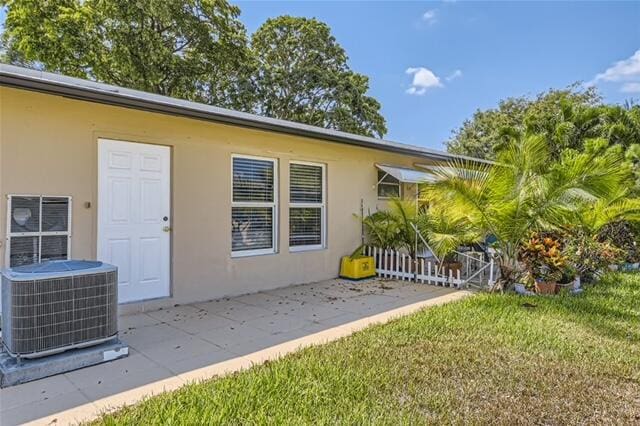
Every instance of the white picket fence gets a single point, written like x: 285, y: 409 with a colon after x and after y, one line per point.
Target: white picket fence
x: 393, y: 264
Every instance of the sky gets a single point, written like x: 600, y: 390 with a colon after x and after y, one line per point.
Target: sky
x: 432, y: 64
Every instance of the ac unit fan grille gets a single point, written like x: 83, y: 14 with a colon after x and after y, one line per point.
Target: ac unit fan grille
x: 53, y: 313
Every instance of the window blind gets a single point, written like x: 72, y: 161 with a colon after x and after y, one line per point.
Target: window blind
x: 253, y: 218
x: 307, y: 206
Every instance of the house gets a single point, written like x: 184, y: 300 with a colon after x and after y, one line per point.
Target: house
x: 190, y: 201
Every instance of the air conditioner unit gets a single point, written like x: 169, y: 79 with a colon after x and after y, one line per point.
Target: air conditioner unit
x: 54, y: 306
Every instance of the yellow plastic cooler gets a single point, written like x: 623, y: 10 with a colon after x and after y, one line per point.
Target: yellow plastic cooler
x: 357, y: 268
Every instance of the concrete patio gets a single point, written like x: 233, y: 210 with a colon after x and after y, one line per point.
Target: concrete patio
x: 171, y: 347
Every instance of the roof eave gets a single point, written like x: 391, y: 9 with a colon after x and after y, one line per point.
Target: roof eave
x: 22, y: 78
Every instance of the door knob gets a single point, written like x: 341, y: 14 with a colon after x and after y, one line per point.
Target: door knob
x: 166, y: 229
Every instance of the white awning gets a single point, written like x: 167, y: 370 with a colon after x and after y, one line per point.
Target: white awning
x: 407, y: 175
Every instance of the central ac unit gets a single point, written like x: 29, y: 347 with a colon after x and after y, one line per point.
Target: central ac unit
x: 55, y: 306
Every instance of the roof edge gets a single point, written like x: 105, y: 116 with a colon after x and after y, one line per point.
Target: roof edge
x: 76, y: 88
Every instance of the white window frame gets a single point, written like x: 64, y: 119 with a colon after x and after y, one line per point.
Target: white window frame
x: 273, y: 205
x: 381, y: 197
x: 322, y: 206
x: 39, y: 234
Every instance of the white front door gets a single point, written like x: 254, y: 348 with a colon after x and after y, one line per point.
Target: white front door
x: 134, y: 206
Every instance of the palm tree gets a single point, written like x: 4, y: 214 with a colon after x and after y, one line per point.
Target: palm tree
x: 395, y: 228
x: 527, y: 190
x: 445, y: 231
x: 382, y: 230
x: 591, y: 218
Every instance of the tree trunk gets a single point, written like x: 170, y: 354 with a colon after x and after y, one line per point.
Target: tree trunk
x: 508, y: 266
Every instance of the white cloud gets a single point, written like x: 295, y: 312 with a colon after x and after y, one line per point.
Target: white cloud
x: 430, y: 16
x: 454, y: 75
x: 630, y: 87
x: 423, y: 79
x: 625, y: 70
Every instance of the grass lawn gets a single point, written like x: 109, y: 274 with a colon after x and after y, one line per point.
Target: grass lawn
x: 488, y: 359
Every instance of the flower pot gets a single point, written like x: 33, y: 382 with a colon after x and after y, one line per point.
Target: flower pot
x: 546, y: 288
x: 577, y: 283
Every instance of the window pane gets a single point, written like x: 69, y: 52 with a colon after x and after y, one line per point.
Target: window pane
x: 25, y: 214
x: 387, y: 190
x: 305, y: 226
x: 306, y: 183
x: 23, y: 251
x: 54, y: 247
x: 252, y: 180
x: 55, y: 214
x: 251, y: 228
x: 384, y: 177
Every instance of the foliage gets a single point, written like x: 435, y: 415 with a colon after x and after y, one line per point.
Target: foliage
x: 483, y: 135
x: 302, y: 75
x: 543, y: 258
x: 445, y: 231
x: 561, y: 360
x: 394, y: 228
x: 589, y: 256
x: 293, y: 69
x: 358, y: 253
x: 565, y: 118
x: 193, y: 49
x: 528, y: 190
x: 594, y: 218
x: 381, y: 229
x: 623, y: 235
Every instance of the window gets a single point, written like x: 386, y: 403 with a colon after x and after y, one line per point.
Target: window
x: 388, y: 186
x: 253, y: 206
x: 306, y: 206
x: 38, y: 229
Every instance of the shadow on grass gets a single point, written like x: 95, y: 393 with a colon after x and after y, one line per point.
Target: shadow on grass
x: 609, y: 308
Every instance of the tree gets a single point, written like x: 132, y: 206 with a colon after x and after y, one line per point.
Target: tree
x: 193, y: 49
x: 302, y: 75
x: 481, y: 135
x: 562, y: 116
x: 530, y: 190
x: 395, y: 228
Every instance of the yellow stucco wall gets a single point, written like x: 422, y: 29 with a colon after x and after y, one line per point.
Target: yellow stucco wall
x: 48, y: 145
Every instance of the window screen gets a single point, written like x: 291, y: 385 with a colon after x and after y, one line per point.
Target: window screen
x: 39, y: 229
x: 253, y: 216
x: 307, y: 206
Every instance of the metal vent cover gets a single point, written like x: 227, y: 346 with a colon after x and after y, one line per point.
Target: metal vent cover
x: 61, y: 308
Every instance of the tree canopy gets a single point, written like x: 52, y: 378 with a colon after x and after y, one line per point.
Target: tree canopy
x: 292, y: 69
x: 302, y: 75
x: 565, y: 118
x: 169, y: 47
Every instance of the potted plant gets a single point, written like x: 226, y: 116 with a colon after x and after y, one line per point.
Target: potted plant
x: 544, y: 261
x: 547, y: 281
